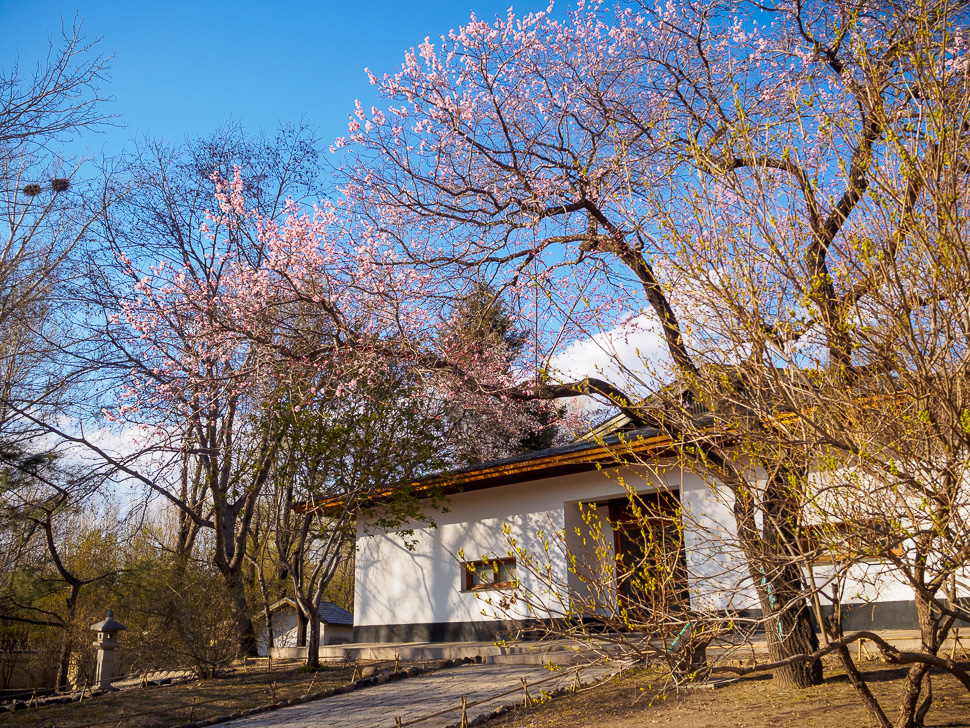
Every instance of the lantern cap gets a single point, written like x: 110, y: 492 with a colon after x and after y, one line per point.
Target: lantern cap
x: 108, y: 625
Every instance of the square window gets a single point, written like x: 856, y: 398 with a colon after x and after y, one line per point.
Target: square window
x: 489, y: 574
x: 847, y: 541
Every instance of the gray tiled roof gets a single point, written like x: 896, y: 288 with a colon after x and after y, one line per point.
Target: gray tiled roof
x: 576, y: 446
x: 332, y: 614
x: 329, y: 612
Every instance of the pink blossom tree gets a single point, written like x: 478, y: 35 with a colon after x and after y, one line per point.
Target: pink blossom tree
x: 205, y: 424
x: 250, y: 346
x: 198, y: 405
x: 539, y: 152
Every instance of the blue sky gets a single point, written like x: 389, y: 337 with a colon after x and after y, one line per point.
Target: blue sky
x: 183, y: 68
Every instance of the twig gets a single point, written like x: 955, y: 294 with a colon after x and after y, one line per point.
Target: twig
x: 957, y: 640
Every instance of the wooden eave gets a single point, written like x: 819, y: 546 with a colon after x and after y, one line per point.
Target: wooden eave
x: 625, y: 452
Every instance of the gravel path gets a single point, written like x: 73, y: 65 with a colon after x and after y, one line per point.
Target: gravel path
x: 422, y: 696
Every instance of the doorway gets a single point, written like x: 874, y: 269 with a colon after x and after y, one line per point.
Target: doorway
x: 651, y: 568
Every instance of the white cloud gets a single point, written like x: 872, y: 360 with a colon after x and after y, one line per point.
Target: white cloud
x: 631, y: 355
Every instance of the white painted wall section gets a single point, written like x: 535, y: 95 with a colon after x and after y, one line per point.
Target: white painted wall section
x: 395, y: 585
x: 423, y: 585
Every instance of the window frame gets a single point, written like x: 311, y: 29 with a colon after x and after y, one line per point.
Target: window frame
x: 469, y: 568
x: 814, y: 536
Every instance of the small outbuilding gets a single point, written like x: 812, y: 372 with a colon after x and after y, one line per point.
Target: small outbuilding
x: 289, y: 640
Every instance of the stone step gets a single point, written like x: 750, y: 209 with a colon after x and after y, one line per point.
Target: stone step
x: 419, y: 652
x: 555, y: 657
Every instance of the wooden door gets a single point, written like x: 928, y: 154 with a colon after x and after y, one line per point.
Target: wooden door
x: 651, y: 573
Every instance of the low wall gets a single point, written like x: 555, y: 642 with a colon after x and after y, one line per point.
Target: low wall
x: 287, y: 653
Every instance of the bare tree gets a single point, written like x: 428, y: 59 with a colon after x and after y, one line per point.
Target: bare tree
x: 59, y: 99
x: 40, y: 507
x: 46, y: 212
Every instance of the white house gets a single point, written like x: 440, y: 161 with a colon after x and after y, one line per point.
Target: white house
x: 423, y: 590
x: 336, y: 628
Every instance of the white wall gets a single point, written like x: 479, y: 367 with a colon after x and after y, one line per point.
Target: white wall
x: 868, y: 581
x: 589, y: 538
x: 395, y: 585
x: 716, y: 568
x: 284, y: 631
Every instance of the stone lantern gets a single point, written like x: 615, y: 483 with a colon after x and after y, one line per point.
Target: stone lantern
x: 106, y: 644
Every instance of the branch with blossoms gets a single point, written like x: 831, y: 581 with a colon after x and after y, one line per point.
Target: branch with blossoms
x: 323, y: 296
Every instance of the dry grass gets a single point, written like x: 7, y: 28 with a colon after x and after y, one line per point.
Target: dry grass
x: 630, y: 702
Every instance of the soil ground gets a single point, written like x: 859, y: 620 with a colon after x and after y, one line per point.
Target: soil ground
x: 630, y: 701
x: 169, y: 705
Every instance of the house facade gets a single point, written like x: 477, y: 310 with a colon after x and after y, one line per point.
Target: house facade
x: 452, y: 581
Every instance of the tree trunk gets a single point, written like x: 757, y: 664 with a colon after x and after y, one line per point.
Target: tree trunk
x: 859, y: 683
x: 67, y: 646
x: 270, y: 639
x: 788, y: 623
x: 301, y: 629
x: 909, y: 704
x: 778, y: 580
x: 788, y: 629
x: 64, y: 661
x: 245, y: 631
x: 313, y: 640
x: 906, y: 715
